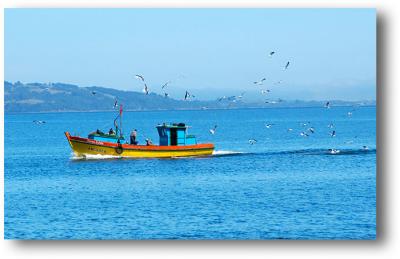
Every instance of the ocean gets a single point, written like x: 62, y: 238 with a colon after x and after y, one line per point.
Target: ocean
x: 284, y: 186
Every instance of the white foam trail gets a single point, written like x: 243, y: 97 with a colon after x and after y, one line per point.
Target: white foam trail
x: 94, y: 157
x: 225, y: 152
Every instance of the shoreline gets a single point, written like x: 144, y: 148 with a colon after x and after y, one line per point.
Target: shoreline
x: 166, y: 110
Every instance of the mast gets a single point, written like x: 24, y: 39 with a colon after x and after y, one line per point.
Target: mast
x: 120, y: 121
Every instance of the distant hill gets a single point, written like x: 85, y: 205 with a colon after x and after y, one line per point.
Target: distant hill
x: 58, y: 97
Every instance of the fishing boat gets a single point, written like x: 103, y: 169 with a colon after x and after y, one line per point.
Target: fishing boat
x: 174, y: 141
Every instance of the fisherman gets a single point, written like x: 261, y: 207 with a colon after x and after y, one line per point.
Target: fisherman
x: 111, y: 132
x: 133, y: 137
x: 148, y: 142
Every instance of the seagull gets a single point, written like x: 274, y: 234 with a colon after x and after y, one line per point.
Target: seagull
x: 287, y: 65
x: 271, y: 102
x: 212, y: 131
x: 349, y: 114
x: 333, y: 151
x: 140, y: 77
x: 241, y: 95
x: 327, y: 105
x: 187, y: 95
x: 268, y: 126
x: 271, y: 53
x: 265, y: 91
x: 93, y: 92
x: 303, y: 134
x: 166, y: 95
x: 333, y: 133
x: 221, y: 98
x: 145, y: 89
x: 39, y: 122
x: 331, y: 125
x: 162, y: 87
x: 365, y: 148
x: 115, y: 104
x: 289, y: 129
x: 260, y: 82
x: 311, y: 129
x: 252, y: 141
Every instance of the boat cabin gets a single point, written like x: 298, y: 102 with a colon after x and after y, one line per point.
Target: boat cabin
x: 175, y: 134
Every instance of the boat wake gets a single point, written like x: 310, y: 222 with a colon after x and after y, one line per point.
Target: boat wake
x: 93, y: 157
x: 226, y: 153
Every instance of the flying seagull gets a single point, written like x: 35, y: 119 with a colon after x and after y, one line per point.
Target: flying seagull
x: 287, y: 65
x: 187, y: 95
x: 241, y: 95
x: 145, y: 89
x: 93, y: 92
x: 252, y: 141
x: 265, y: 91
x: 271, y: 53
x: 260, y: 82
x: 303, y: 134
x: 166, y: 95
x: 268, y: 126
x: 212, y: 131
x: 140, y: 77
x: 115, y: 104
x: 328, y: 105
x: 165, y: 85
x: 311, y: 129
x: 333, y: 133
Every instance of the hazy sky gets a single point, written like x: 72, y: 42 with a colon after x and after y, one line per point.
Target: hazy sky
x: 210, y: 52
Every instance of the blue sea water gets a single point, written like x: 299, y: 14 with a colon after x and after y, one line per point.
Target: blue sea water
x: 285, y: 186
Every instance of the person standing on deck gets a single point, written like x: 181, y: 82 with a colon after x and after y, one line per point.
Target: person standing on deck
x: 133, y: 137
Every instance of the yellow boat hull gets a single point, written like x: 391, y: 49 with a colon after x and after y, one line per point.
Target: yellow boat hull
x: 83, y: 147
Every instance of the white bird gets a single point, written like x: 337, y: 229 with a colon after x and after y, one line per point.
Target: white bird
x: 333, y: 151
x: 212, y: 131
x: 265, y: 91
x: 166, y: 95
x: 145, y: 89
x: 311, y: 129
x: 303, y: 134
x: 365, y: 148
x: 241, y: 95
x: 140, y: 77
x: 187, y: 95
x: 333, y: 133
x: 162, y: 87
x: 289, y: 129
x: 328, y: 105
x: 115, y: 104
x: 268, y: 126
x: 39, y: 122
x: 271, y: 53
x: 331, y: 125
x: 260, y: 82
x: 349, y: 114
x: 252, y: 141
x: 93, y: 92
x: 287, y: 65
x: 221, y: 98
